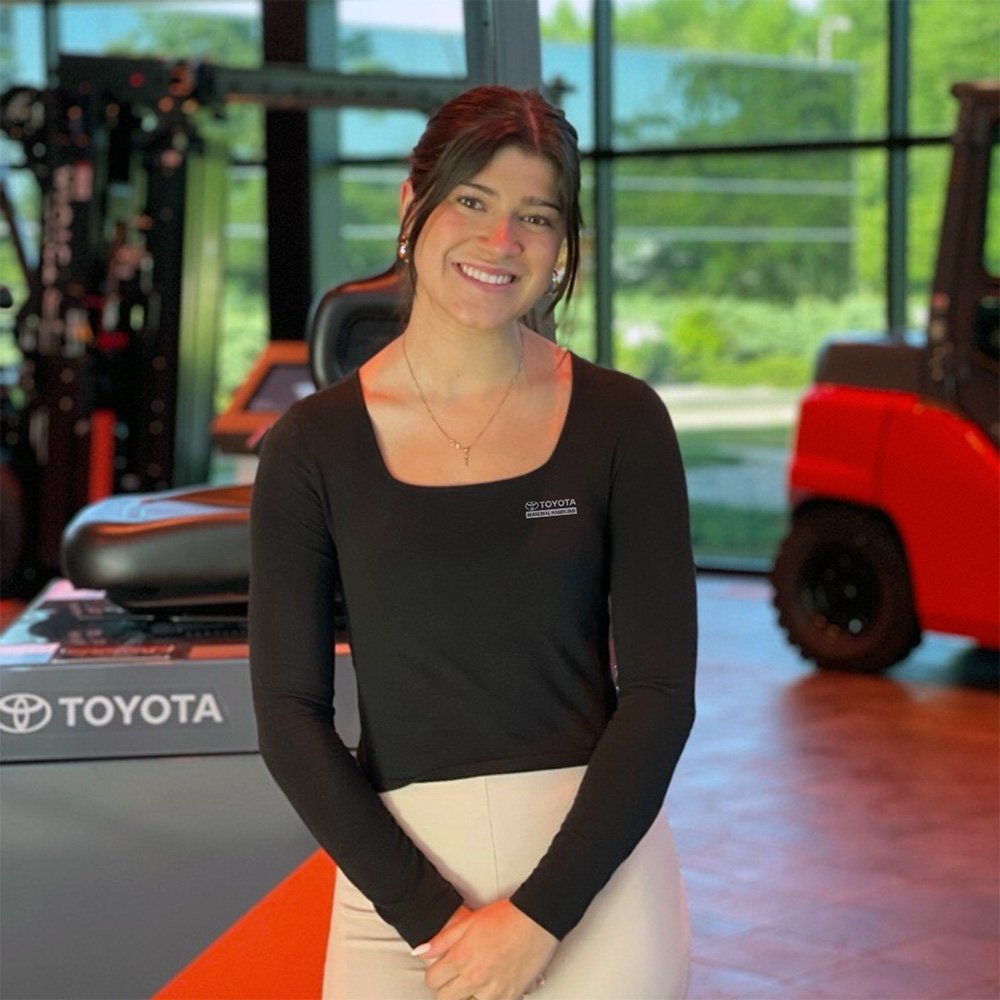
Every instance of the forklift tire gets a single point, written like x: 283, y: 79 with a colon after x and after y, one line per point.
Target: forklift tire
x: 842, y: 589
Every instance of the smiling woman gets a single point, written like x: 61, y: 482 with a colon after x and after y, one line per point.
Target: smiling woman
x: 488, y: 503
x: 496, y: 234
x: 469, y: 133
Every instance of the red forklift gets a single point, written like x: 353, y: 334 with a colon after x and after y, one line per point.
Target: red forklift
x: 894, y: 482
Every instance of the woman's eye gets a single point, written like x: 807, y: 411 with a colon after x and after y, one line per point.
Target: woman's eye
x: 538, y: 220
x: 468, y: 201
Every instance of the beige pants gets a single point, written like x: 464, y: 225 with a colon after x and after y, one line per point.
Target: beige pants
x: 485, y: 834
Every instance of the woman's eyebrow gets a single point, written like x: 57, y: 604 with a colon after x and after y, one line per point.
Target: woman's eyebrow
x: 530, y: 200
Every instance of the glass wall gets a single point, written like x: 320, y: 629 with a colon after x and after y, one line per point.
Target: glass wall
x: 390, y: 39
x: 22, y: 58
x: 359, y: 154
x: 730, y: 271
x: 568, y: 75
x: 244, y: 305
x: 951, y: 41
x: 224, y: 31
x: 749, y: 159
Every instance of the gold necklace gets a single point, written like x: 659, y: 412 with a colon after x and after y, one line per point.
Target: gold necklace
x: 457, y: 445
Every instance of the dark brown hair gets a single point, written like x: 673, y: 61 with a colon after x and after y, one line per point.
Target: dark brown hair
x: 466, y: 133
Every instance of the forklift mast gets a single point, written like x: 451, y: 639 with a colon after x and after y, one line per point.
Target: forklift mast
x: 963, y: 332
x: 111, y: 317
x: 956, y: 365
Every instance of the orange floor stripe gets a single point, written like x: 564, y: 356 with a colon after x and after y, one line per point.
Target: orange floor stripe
x: 274, y: 951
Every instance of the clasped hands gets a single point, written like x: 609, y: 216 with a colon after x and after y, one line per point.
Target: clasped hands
x: 493, y: 953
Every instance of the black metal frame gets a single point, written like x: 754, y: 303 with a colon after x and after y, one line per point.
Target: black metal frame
x: 289, y: 195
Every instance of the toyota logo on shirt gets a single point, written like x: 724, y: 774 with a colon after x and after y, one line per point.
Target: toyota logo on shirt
x: 23, y: 713
x: 550, y: 508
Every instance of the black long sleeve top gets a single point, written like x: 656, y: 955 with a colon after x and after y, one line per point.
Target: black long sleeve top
x: 479, y: 621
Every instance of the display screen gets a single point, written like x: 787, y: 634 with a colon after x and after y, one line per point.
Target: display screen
x: 280, y: 387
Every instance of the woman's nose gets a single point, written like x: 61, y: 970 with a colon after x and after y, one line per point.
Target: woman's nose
x: 501, y: 236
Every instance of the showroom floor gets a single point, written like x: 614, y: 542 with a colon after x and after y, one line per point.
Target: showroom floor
x: 839, y: 834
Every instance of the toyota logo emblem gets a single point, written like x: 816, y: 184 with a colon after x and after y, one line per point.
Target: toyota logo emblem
x: 24, y: 713
x: 531, y: 505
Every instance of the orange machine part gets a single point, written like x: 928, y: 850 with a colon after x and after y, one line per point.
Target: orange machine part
x: 933, y: 473
x: 838, y: 442
x: 100, y: 477
x: 275, y: 951
x: 940, y: 484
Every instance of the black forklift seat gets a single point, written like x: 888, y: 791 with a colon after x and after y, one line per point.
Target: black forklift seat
x: 350, y: 323
x: 187, y: 551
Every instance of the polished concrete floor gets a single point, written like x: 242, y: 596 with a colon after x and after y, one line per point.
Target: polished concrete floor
x: 839, y: 834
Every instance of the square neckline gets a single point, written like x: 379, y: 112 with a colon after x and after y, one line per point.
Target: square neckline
x: 379, y: 458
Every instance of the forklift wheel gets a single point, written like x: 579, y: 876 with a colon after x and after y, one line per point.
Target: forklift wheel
x: 842, y: 590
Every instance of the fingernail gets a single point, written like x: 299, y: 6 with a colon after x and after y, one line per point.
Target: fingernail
x: 420, y: 949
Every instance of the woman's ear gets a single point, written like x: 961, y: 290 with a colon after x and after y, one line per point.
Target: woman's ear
x: 405, y: 197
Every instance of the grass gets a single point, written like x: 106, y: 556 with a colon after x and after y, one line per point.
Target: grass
x: 722, y: 529
x: 718, y: 530
x: 722, y: 446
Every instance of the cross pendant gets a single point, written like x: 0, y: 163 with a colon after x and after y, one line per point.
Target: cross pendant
x: 465, y: 452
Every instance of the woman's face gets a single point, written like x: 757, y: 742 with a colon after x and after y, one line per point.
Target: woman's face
x: 486, y: 253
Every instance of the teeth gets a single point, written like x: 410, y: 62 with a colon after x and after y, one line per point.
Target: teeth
x: 489, y: 279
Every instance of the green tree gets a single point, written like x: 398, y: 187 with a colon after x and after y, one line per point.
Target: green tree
x: 563, y: 25
x: 952, y: 40
x: 707, y: 100
x: 771, y: 27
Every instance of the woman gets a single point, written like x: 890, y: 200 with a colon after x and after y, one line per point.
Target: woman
x: 489, y: 502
